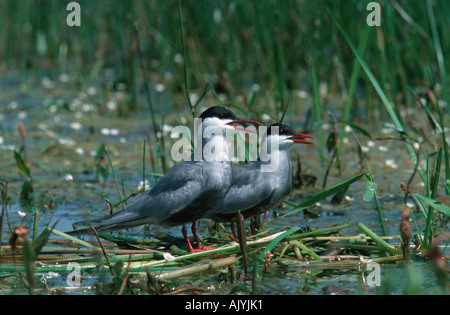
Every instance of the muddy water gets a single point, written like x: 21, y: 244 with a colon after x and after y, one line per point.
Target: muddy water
x: 65, y: 127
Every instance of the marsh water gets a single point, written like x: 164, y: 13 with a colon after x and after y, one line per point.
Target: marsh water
x: 65, y: 127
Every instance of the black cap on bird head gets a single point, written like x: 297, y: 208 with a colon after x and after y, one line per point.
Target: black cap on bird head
x: 289, y: 132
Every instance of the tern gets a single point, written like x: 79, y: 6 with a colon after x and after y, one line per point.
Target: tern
x: 255, y: 191
x: 188, y: 190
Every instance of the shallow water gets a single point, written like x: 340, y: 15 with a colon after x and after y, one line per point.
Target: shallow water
x: 65, y: 127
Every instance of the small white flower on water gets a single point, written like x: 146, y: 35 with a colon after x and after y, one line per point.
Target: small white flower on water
x: 79, y: 151
x: 68, y: 177
x: 21, y: 213
x: 370, y: 143
x: 167, y: 129
x: 1, y: 140
x: 92, y: 91
x: 410, y: 204
x: 386, y: 130
x: 382, y: 148
x: 47, y: 83
x: 111, y: 105
x: 348, y: 198
x: 178, y: 58
x: 168, y: 257
x: 146, y: 185
x: 256, y: 87
x: 13, y: 105
x: 326, y: 126
x: 390, y: 163
x: 88, y: 107
x: 67, y: 141
x: 76, y: 126
x: 442, y: 103
x: 348, y: 128
x: 64, y: 77
x: 52, y: 274
x: 364, y: 261
x: 365, y: 149
x: 194, y: 97
x: 160, y: 87
x: 302, y: 94
x: 22, y: 115
x: 266, y: 117
x: 108, y: 131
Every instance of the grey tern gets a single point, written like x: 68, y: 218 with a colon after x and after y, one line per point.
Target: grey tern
x: 187, y: 191
x: 254, y: 191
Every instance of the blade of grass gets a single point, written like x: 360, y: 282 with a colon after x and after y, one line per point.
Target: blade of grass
x: 432, y: 195
x: 388, y: 106
x: 277, y: 240
x: 318, y: 114
x: 434, y: 203
x: 352, y: 87
x: 143, y: 168
x: 156, y: 128
x: 186, y: 85
x: 371, y: 189
x: 35, y: 224
x: 114, y: 175
x: 322, y: 195
x: 382, y: 243
x: 74, y: 239
x: 439, y: 52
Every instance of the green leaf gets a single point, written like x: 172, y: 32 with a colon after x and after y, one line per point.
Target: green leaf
x: 382, y: 243
x: 41, y: 239
x: 100, y: 153
x: 324, y: 194
x: 102, y: 174
x: 21, y: 164
x: 356, y: 127
x: 276, y: 240
x: 369, y: 192
x: 434, y: 203
x: 26, y: 194
x: 331, y: 141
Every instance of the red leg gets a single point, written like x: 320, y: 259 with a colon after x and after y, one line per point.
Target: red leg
x: 252, y: 226
x: 198, y: 246
x: 190, y: 249
x: 233, y: 229
x: 194, y: 232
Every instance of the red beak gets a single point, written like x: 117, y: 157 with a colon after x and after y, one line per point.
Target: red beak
x: 297, y: 138
x: 244, y: 121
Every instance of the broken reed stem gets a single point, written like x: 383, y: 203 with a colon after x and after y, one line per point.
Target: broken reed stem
x: 4, y: 194
x: 242, y: 239
x: 201, y: 266
x: 101, y: 245
x: 125, y: 279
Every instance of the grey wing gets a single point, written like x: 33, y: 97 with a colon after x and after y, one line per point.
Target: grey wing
x: 173, y: 191
x: 249, y: 188
x: 176, y: 189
